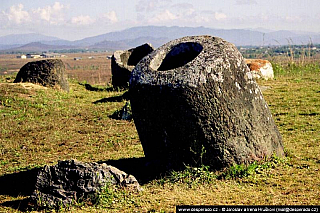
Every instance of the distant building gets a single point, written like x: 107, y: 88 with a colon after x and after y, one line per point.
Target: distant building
x: 22, y: 56
x: 52, y: 55
x: 77, y: 58
x: 33, y: 56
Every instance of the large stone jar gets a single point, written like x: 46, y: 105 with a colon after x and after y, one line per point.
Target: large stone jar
x: 194, y: 102
x: 123, y: 62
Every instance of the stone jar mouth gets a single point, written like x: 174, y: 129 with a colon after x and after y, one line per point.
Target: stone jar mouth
x: 177, y: 56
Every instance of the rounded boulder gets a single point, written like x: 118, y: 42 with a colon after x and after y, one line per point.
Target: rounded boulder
x: 49, y: 73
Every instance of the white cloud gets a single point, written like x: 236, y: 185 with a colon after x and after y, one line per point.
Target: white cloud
x: 167, y: 12
x: 197, y: 18
x: 220, y: 16
x: 58, y: 6
x: 182, y: 6
x: 263, y: 17
x: 110, y: 17
x: 246, y: 2
x: 52, y: 14
x: 151, y: 5
x: 186, y: 15
x: 184, y: 10
x: 293, y: 18
x: 82, y: 20
x: 17, y: 15
x: 163, y: 17
x: 201, y: 19
x: 145, y: 5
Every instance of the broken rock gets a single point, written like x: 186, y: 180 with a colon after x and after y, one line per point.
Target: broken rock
x: 71, y: 180
x: 260, y: 68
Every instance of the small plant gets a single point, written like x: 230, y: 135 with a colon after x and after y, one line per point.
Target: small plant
x: 105, y: 197
x: 241, y: 171
x: 111, y: 197
x: 192, y: 175
x: 199, y: 155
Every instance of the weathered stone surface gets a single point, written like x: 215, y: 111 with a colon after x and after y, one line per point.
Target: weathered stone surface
x: 123, y: 62
x: 260, y: 68
x: 194, y: 101
x: 71, y: 180
x: 49, y: 73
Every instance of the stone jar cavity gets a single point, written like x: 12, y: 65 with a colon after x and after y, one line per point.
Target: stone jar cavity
x: 178, y: 56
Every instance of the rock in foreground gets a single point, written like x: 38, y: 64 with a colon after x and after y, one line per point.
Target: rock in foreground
x: 49, y: 73
x: 71, y: 180
x: 194, y: 101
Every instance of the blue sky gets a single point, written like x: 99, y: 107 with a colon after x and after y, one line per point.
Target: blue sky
x: 77, y: 19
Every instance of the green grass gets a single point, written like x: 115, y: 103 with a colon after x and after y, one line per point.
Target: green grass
x: 42, y: 126
x: 293, y: 69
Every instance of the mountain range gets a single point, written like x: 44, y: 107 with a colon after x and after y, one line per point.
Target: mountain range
x: 156, y: 35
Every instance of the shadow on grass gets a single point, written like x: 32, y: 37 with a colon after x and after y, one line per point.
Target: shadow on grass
x: 23, y: 205
x: 19, y: 184
x: 119, y: 98
x: 97, y: 89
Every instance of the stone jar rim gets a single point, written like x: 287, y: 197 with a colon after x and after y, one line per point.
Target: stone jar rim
x: 192, y: 72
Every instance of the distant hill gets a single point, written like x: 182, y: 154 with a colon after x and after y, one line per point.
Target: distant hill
x: 156, y: 35
x: 129, y: 43
x: 6, y: 47
x: 22, y: 39
x: 38, y: 47
x: 30, y: 42
x: 240, y: 37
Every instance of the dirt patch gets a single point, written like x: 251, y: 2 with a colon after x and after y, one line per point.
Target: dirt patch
x: 28, y: 86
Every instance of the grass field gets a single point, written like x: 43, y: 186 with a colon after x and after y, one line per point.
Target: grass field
x: 41, y: 126
x: 93, y: 68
